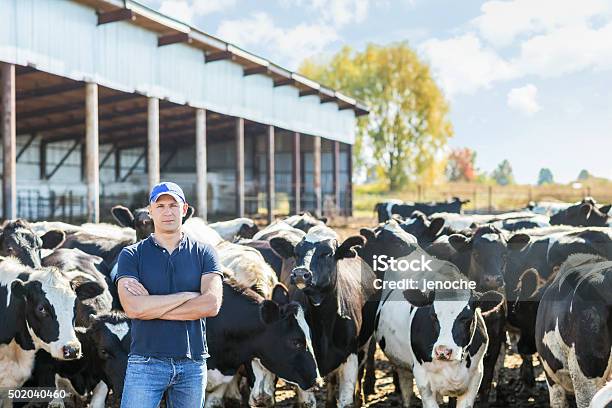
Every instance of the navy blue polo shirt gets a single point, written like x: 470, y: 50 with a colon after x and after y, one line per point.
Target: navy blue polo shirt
x: 162, y: 273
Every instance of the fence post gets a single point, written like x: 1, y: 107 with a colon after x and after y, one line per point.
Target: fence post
x: 419, y: 192
x: 70, y: 206
x: 490, y: 199
x: 474, y: 199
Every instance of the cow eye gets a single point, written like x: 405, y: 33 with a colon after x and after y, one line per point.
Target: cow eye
x: 104, y: 353
x: 42, y: 310
x: 298, y: 344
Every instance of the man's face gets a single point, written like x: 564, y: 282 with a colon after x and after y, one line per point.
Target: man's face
x: 167, y: 214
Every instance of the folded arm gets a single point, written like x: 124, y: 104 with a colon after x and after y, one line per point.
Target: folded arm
x: 207, y: 304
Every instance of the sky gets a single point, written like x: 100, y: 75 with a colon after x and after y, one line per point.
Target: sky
x: 527, y: 80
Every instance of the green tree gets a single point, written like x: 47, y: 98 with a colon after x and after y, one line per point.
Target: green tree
x: 545, y: 176
x: 408, y: 122
x: 503, y: 173
x: 584, y: 174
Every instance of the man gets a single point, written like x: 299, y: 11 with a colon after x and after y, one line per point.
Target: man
x: 168, y: 284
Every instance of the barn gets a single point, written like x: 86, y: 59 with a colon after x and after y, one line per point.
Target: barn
x: 101, y: 99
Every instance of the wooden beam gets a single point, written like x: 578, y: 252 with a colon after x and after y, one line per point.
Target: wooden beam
x: 308, y: 92
x: 74, y: 106
x: 345, y: 107
x: 349, y: 187
x: 21, y: 70
x: 116, y: 15
x: 336, y: 175
x: 92, y: 153
x: 327, y: 99
x: 153, y: 142
x: 270, y: 188
x: 173, y: 39
x: 117, y: 162
x: 283, y: 82
x: 201, y: 165
x: 239, y: 134
x: 43, y: 160
x: 297, y: 174
x: 261, y: 69
x: 47, y: 91
x: 26, y: 146
x: 63, y: 159
x: 317, y: 174
x: 8, y: 127
x: 217, y: 56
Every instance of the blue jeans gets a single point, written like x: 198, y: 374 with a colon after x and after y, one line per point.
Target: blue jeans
x: 146, y: 379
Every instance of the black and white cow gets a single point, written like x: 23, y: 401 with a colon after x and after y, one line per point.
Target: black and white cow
x: 425, y: 230
x: 37, y: 311
x: 105, y: 348
x: 235, y: 229
x: 19, y: 240
x: 573, y: 329
x: 385, y: 210
x: 437, y: 337
x: 269, y: 334
x: 585, y: 213
x: 304, y: 221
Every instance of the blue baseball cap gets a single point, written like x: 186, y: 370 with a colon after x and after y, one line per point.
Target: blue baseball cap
x: 167, y: 187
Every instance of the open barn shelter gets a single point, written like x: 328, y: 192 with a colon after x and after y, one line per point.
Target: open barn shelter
x: 101, y: 99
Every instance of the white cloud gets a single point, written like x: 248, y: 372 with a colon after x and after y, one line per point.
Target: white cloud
x: 501, y: 22
x: 187, y: 10
x: 291, y: 45
x: 337, y: 12
x: 524, y: 99
x: 463, y: 65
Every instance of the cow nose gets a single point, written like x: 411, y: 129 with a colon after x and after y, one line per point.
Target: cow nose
x: 301, y: 277
x: 443, y: 353
x: 72, y: 351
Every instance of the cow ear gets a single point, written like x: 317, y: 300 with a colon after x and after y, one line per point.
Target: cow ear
x: 189, y: 213
x: 368, y: 234
x: 605, y: 208
x: 324, y: 219
x: 284, y: 247
x: 459, y: 242
x: 53, y: 239
x: 346, y: 250
x: 528, y: 284
x: 18, y: 288
x: 418, y: 298
x: 436, y: 226
x: 518, y: 241
x: 280, y: 294
x: 86, y: 290
x: 269, y: 312
x: 585, y: 209
x: 488, y: 302
x: 123, y: 215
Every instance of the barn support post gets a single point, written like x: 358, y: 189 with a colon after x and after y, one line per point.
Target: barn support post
x: 336, y: 175
x: 8, y: 127
x: 317, y: 175
x: 270, y: 173
x: 92, y: 169
x: 201, y: 166
x: 297, y: 174
x: 153, y: 142
x: 239, y: 167
x: 349, y: 186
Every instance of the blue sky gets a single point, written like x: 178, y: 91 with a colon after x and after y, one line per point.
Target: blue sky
x: 527, y: 80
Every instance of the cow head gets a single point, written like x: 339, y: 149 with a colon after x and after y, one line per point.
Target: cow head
x: 17, y: 239
x: 108, y: 341
x: 388, y: 239
x: 140, y: 220
x: 444, y: 323
x: 529, y: 291
x: 585, y: 214
x: 305, y: 221
x: 287, y: 334
x: 422, y: 228
x: 488, y: 249
x: 317, y: 255
x: 48, y: 302
x: 247, y: 230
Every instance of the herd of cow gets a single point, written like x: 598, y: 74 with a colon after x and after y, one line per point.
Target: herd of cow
x: 299, y: 304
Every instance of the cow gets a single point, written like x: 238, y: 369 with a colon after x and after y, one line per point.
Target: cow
x: 437, y: 337
x: 105, y: 348
x: 425, y: 230
x: 304, y: 221
x: 334, y: 287
x: 573, y: 329
x: 264, y: 333
x: 385, y: 210
x: 585, y: 213
x: 37, y: 312
x: 18, y: 239
x: 235, y: 229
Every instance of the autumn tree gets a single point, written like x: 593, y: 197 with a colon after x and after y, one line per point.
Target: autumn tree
x: 461, y: 165
x: 545, y: 176
x: 408, y: 123
x: 503, y: 174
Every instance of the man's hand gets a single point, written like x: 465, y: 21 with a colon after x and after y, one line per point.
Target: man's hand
x: 205, y: 305
x: 134, y: 287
